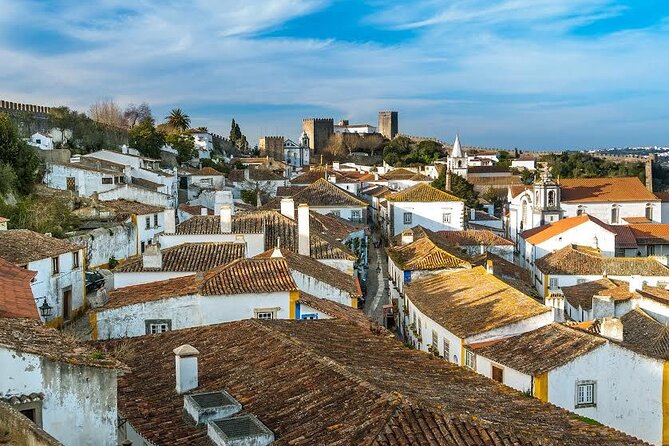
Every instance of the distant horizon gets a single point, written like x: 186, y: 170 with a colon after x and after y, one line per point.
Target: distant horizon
x: 536, y: 75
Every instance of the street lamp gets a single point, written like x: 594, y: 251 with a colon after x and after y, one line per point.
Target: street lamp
x: 45, y: 309
x: 378, y: 267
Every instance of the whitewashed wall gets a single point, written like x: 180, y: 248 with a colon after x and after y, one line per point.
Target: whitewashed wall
x: 87, y: 182
x: 101, y: 244
x: 255, y: 243
x: 187, y: 311
x: 131, y: 193
x: 122, y: 280
x: 320, y: 289
x: 79, y: 406
x: 428, y: 215
x: 510, y: 377
x: 603, y: 210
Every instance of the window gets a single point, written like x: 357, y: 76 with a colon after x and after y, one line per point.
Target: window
x: 650, y: 250
x: 435, y: 341
x: 408, y: 217
x: 155, y: 219
x: 615, y: 214
x: 649, y: 211
x: 75, y: 260
x: 107, y: 181
x: 585, y: 394
x: 265, y: 315
x: 337, y: 213
x: 580, y: 210
x: 447, y: 349
x: 148, y: 223
x: 142, y: 245
x: 446, y: 217
x: 470, y: 359
x: 356, y: 216
x: 54, y: 265
x: 38, y: 141
x: 308, y: 317
x: 155, y: 326
x: 553, y: 282
x: 580, y: 281
x: 31, y: 410
x: 551, y: 198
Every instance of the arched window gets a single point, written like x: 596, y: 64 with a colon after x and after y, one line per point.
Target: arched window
x: 459, y: 163
x: 649, y: 211
x: 615, y: 214
x: 523, y: 214
x: 551, y: 198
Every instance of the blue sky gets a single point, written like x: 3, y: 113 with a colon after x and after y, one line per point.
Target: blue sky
x: 506, y: 73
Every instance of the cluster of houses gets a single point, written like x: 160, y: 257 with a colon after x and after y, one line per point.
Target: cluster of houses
x: 181, y: 314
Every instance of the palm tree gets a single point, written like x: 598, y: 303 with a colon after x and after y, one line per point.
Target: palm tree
x: 178, y: 119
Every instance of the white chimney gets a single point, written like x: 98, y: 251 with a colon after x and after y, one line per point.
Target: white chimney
x: 170, y: 221
x: 152, y: 257
x: 226, y: 219
x: 472, y: 214
x: 636, y: 283
x: 247, y: 174
x: 612, y: 328
x: 288, y: 208
x: 335, y: 165
x: 603, y: 307
x: 303, y: 242
x: 407, y: 237
x: 185, y: 358
x: 204, y: 211
x: 376, y: 176
x: 222, y: 197
x: 124, y: 149
x: 332, y: 179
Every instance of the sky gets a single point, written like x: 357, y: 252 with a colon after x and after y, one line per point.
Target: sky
x: 531, y: 74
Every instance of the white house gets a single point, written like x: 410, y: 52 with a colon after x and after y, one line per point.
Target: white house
x: 421, y: 205
x: 42, y: 141
x: 149, y: 220
x: 334, y: 176
x: 446, y: 312
x: 59, y: 264
x: 261, y: 179
x: 65, y: 387
x: 81, y: 178
x: 204, y: 142
x: 205, y: 178
x: 524, y: 162
x: 345, y: 127
x: 402, y: 178
x: 228, y: 293
x: 574, y: 264
x: 297, y: 155
x: 187, y: 259
x: 592, y: 376
x: 101, y: 245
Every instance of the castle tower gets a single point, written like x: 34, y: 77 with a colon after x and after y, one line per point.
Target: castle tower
x: 319, y: 131
x: 650, y: 159
x: 547, y: 198
x: 388, y: 124
x: 457, y: 162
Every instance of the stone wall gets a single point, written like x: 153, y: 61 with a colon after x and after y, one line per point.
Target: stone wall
x: 319, y: 131
x: 17, y: 430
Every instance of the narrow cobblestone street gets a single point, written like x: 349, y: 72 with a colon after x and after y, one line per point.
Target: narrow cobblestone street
x: 377, y: 293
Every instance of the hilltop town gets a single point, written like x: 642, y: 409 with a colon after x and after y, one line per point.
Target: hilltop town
x: 162, y: 284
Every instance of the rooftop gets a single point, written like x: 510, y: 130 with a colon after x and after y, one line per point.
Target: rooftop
x: 335, y: 309
x: 255, y: 174
x: 22, y: 246
x: 30, y: 336
x: 322, y: 193
x: 540, y: 234
x: 584, y: 261
x: 426, y: 252
x: 473, y: 237
x: 487, y: 169
x: 195, y: 209
x: 318, y: 173
x: 132, y: 207
x: 584, y: 190
x: 471, y: 302
x: 581, y: 294
x: 16, y: 298
x: 422, y: 193
x: 651, y: 233
x: 406, y: 175
x: 541, y: 350
x: 337, y: 227
x: 189, y: 257
x: 288, y: 191
x: 355, y: 387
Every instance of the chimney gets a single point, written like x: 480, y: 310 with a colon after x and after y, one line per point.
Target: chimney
x: 247, y: 174
x: 152, y: 257
x: 124, y: 149
x: 472, y: 214
x: 407, y: 237
x: 204, y: 210
x: 603, y: 307
x: 649, y: 171
x: 170, y: 221
x: 226, y: 219
x: 376, y: 176
x: 335, y: 165
x: 185, y: 358
x: 332, y: 179
x: 448, y: 181
x: 303, y: 241
x: 288, y: 208
x: 489, y: 267
x: 636, y: 283
x: 612, y: 328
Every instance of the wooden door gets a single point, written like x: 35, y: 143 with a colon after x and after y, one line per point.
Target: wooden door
x: 70, y: 183
x: 498, y: 374
x: 67, y: 305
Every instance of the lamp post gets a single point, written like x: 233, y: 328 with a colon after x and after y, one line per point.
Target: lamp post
x: 45, y: 309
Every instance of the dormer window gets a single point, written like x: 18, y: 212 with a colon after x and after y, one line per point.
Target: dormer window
x: 649, y: 211
x: 615, y: 214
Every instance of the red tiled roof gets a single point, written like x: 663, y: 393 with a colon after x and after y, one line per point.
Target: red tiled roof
x: 22, y: 246
x: 189, y: 257
x: 585, y: 261
x: 422, y: 192
x: 540, y: 234
x: 16, y: 297
x: 653, y: 233
x: 583, y: 190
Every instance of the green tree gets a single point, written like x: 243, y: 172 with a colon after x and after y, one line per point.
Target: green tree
x: 460, y: 187
x: 235, y: 132
x: 61, y: 118
x: 16, y: 153
x: 145, y: 138
x: 178, y: 120
x: 183, y: 143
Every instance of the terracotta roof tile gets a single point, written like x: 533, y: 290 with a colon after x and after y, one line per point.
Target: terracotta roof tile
x: 426, y: 252
x: 540, y: 234
x: 189, y: 257
x: 206, y: 171
x: 337, y: 227
x: 22, y: 246
x: 16, y: 298
x: 288, y: 191
x: 471, y: 302
x: 255, y: 174
x: 322, y: 193
x: 487, y: 169
x: 496, y: 181
x: 581, y: 294
x: 664, y: 196
x: 313, y: 268
x: 146, y: 183
x: 405, y: 174
x: 195, y: 209
x: 30, y: 336
x: 336, y: 310
x: 147, y: 292
x: 584, y: 190
x: 331, y: 382
x: 473, y: 237
x: 578, y: 260
x: 624, y: 236
x: 636, y: 220
x: 422, y: 193
x: 319, y: 173
x: 517, y: 189
x: 645, y: 335
x: 132, y: 207
x: 650, y: 234
x: 541, y: 350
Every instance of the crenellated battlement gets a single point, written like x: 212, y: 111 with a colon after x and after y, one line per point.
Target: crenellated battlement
x: 19, y: 106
